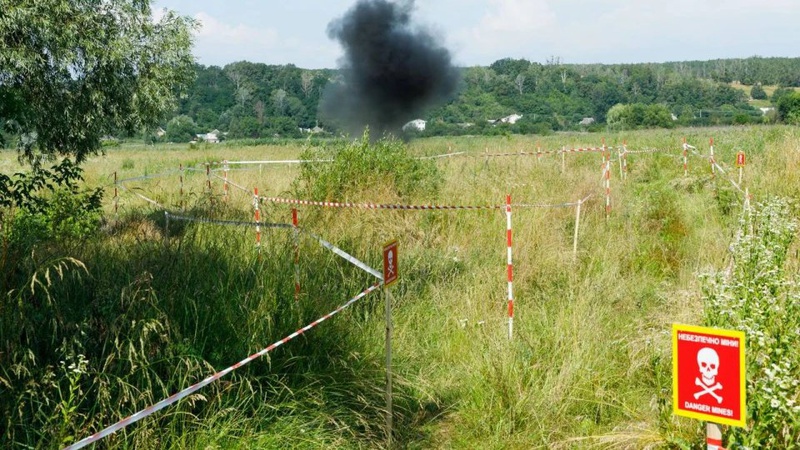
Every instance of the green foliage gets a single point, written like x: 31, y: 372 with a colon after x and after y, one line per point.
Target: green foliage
x: 244, y: 98
x: 181, y: 129
x: 112, y: 68
x: 384, y: 166
x: 788, y: 107
x: 757, y: 92
x: 638, y: 115
x: 758, y: 296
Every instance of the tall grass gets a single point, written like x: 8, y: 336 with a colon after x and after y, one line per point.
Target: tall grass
x: 136, y: 315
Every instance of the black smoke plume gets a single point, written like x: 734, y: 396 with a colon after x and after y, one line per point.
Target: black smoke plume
x: 392, y: 70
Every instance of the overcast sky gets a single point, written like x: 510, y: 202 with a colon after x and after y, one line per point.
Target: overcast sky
x: 478, y: 32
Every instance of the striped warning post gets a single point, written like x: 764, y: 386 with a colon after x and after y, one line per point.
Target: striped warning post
x: 197, y: 386
x: 714, y: 444
x: 257, y: 218
x: 296, y: 256
x: 510, y: 269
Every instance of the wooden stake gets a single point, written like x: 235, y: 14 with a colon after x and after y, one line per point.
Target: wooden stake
x: 577, y: 225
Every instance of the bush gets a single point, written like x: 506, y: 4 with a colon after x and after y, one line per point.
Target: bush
x: 789, y: 108
x: 757, y: 92
x: 363, y: 164
x: 756, y: 295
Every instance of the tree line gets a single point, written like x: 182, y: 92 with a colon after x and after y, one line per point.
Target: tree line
x: 255, y: 100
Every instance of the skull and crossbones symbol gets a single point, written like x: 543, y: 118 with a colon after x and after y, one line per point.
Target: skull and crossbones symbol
x: 708, y: 364
x: 390, y: 258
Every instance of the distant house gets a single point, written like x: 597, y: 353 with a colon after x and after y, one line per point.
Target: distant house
x: 586, y: 121
x: 211, y: 138
x: 416, y: 124
x: 160, y: 132
x: 512, y: 119
x: 766, y: 110
x: 317, y: 129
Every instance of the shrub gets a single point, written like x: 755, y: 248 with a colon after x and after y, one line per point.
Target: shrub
x: 757, y: 296
x: 757, y: 92
x: 363, y: 164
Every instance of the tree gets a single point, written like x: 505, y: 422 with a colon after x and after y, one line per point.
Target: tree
x: 520, y: 82
x: 307, y: 82
x: 181, y: 129
x: 757, y: 92
x: 72, y: 71
x: 789, y: 108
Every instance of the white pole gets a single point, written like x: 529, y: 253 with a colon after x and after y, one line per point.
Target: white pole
x: 577, y: 225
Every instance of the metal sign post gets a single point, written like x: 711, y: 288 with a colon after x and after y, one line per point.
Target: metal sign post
x: 390, y: 276
x: 708, y: 378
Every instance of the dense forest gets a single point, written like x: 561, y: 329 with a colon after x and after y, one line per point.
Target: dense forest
x: 254, y: 100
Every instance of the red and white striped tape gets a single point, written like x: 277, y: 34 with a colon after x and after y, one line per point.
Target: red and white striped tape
x: 197, y: 386
x: 226, y: 222
x: 510, y: 269
x: 348, y: 257
x: 714, y: 444
x: 372, y: 205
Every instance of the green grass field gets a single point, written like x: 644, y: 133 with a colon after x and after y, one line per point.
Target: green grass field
x: 589, y: 366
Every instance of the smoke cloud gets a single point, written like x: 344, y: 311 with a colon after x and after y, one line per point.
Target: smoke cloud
x: 392, y: 70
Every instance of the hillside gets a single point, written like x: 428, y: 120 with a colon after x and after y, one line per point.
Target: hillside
x: 251, y: 100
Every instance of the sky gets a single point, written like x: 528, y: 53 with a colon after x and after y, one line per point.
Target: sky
x: 479, y: 32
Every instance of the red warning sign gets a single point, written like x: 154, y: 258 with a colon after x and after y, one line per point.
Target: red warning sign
x: 708, y: 375
x: 390, y: 268
x: 740, y: 159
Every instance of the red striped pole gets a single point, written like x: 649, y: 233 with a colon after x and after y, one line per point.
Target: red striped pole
x: 257, y: 216
x: 510, y: 270
x: 296, y: 256
x: 711, y: 158
x: 713, y: 436
x: 685, y: 158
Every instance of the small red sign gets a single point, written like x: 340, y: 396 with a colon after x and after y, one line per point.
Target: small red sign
x: 390, y: 268
x: 708, y: 376
x: 740, y: 159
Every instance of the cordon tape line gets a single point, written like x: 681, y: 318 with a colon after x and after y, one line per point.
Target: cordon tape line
x: 149, y: 200
x: 148, y: 177
x: 197, y: 386
x: 694, y: 151
x: 227, y: 222
x: 348, y: 257
x: 240, y: 187
x: 446, y: 155
x: 283, y: 161
x: 372, y: 205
